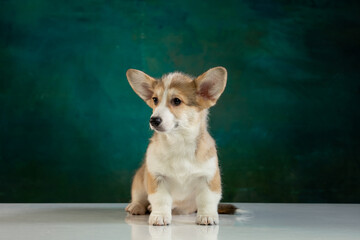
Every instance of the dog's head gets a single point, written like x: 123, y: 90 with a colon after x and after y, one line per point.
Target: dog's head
x: 176, y: 98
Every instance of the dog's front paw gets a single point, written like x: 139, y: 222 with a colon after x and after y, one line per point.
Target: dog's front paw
x: 207, y: 219
x: 158, y: 219
x: 135, y: 209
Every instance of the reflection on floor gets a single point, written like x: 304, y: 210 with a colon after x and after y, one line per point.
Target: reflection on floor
x: 177, y: 230
x: 110, y: 221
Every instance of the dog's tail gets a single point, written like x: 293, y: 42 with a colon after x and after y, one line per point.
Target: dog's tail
x: 226, y: 208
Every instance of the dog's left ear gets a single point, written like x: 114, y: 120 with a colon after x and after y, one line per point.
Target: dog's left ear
x: 210, y: 85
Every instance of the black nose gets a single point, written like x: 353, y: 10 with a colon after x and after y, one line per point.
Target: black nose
x: 155, y: 121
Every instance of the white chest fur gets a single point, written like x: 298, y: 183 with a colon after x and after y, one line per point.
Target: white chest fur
x: 174, y: 161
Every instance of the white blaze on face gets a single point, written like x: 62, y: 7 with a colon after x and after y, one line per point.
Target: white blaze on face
x: 163, y: 112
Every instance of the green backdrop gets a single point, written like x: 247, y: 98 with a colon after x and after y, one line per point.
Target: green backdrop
x: 287, y: 125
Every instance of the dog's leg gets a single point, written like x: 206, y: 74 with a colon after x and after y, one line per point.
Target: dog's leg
x: 160, y: 200
x: 207, y: 200
x: 139, y: 200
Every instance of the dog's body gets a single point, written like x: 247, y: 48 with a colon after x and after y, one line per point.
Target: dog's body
x: 180, y: 173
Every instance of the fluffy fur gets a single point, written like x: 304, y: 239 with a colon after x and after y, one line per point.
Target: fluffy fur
x: 180, y: 174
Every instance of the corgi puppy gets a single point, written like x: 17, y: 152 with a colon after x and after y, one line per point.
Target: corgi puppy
x: 180, y: 174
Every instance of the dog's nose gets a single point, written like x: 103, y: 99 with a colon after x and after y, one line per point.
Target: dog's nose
x: 155, y: 121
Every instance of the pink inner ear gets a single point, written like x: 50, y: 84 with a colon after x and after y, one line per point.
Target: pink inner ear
x: 146, y: 92
x: 205, y: 90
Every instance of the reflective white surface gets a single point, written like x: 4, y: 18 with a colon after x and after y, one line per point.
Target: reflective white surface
x: 109, y: 221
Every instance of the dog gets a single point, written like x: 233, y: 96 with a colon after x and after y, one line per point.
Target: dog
x: 180, y: 174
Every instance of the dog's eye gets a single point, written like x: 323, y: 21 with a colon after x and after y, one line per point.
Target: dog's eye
x: 176, y: 101
x: 155, y: 99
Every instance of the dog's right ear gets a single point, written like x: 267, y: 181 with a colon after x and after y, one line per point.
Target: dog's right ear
x: 142, y: 83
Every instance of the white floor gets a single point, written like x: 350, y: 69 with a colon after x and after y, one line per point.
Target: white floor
x: 109, y: 221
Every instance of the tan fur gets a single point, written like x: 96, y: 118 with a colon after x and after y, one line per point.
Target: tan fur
x: 225, y: 208
x: 138, y: 181
x: 151, y: 182
x: 186, y: 89
x: 215, y: 183
x: 206, y: 147
x: 138, y: 193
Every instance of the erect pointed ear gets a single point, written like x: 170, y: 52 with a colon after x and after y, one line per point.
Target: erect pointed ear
x: 141, y: 83
x: 210, y: 85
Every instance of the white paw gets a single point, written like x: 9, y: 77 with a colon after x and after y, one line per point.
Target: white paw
x: 207, y: 219
x: 135, y: 209
x: 159, y: 219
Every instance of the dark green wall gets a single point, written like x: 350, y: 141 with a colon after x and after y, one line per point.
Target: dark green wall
x: 287, y: 126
